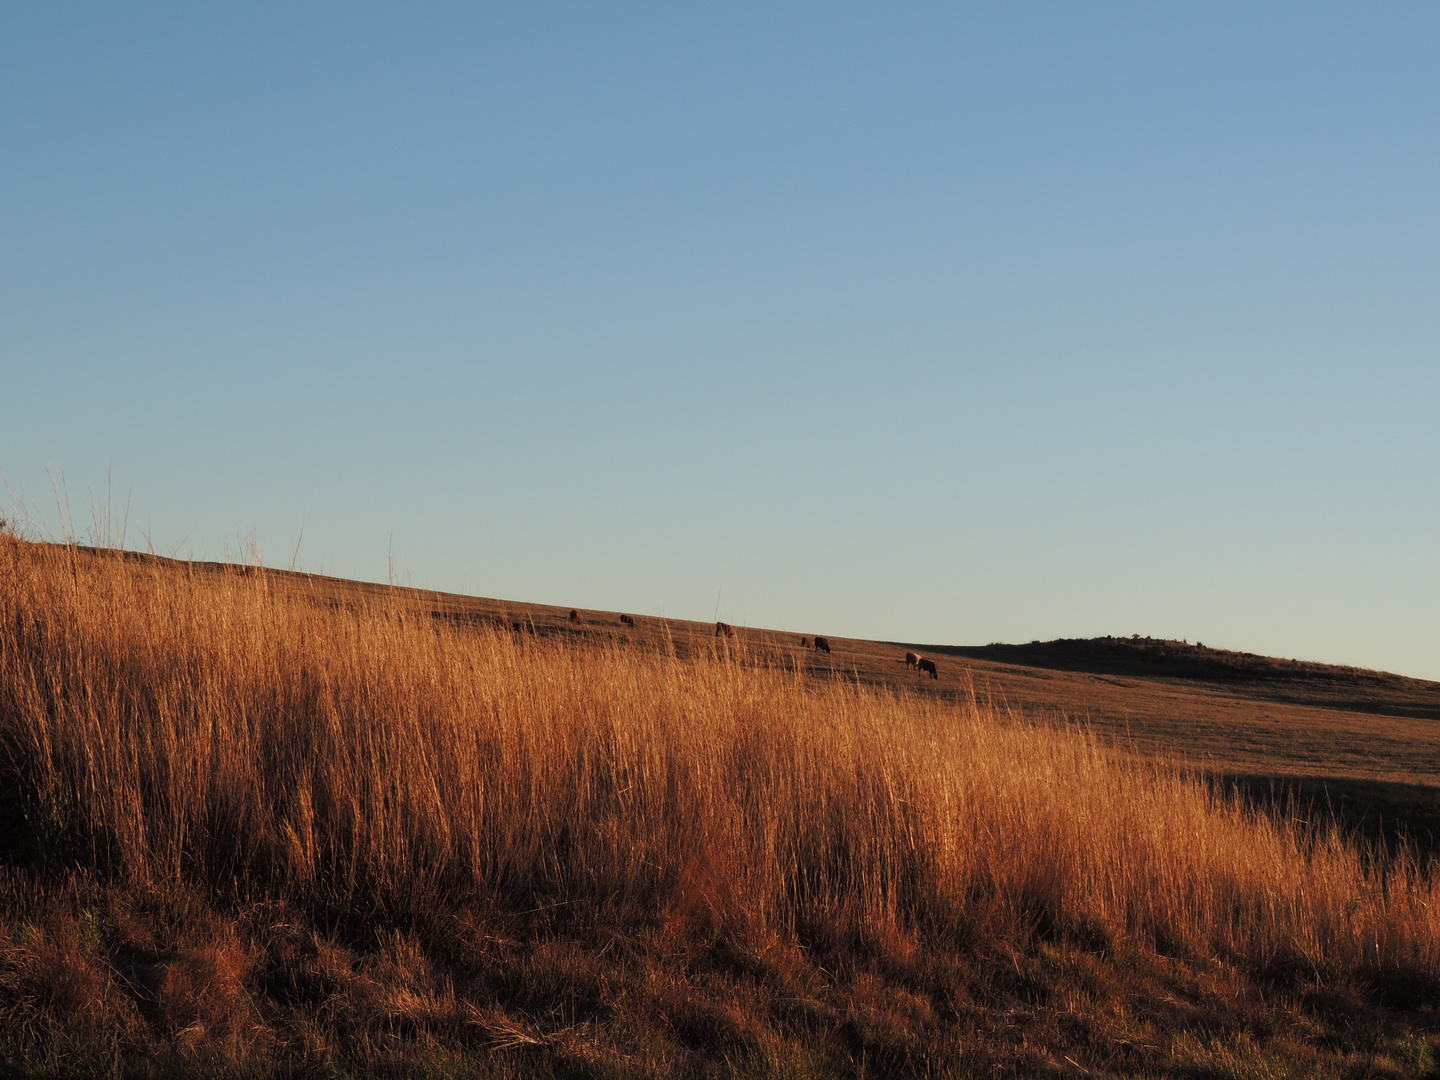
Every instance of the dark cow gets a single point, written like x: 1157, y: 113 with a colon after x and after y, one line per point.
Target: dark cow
x: 912, y: 660
x: 724, y: 630
x: 821, y: 645
x: 927, y: 665
x: 804, y: 643
x: 627, y: 620
x: 574, y: 616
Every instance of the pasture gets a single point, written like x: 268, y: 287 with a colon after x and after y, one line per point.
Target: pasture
x: 1363, y: 744
x: 269, y: 824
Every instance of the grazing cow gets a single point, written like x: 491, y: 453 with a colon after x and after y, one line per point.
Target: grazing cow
x: 724, y: 630
x: 804, y: 643
x: 821, y: 645
x: 574, y: 616
x: 927, y: 665
x: 912, y: 660
x: 627, y: 620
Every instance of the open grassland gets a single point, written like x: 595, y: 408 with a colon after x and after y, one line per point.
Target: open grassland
x: 257, y: 824
x: 1364, y: 745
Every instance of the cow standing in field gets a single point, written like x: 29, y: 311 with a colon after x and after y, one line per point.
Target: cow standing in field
x: 927, y: 665
x: 821, y: 645
x: 574, y: 616
x: 912, y: 660
x: 724, y: 630
x: 627, y: 620
x: 804, y: 643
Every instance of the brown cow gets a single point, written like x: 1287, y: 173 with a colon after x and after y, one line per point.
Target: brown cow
x: 627, y: 620
x: 821, y: 645
x: 804, y: 643
x: 927, y: 665
x: 574, y: 616
x: 912, y: 660
x: 724, y: 630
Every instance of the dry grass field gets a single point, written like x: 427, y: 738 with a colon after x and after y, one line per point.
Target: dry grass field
x: 1363, y: 745
x: 260, y: 823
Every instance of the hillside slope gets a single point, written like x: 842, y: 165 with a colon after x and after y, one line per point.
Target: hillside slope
x: 1365, y: 744
x: 269, y: 824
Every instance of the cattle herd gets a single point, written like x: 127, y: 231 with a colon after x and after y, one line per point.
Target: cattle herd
x: 914, y: 660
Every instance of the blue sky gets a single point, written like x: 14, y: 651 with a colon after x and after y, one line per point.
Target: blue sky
x: 927, y: 323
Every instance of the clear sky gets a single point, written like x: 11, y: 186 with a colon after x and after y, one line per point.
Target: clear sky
x: 920, y: 322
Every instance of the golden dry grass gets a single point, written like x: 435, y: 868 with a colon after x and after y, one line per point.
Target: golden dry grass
x: 167, y: 727
x: 255, y: 824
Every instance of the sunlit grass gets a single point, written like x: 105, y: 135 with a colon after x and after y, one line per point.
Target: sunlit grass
x: 208, y: 728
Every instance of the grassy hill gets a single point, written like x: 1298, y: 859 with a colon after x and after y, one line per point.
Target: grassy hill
x: 261, y: 823
x: 1362, y: 746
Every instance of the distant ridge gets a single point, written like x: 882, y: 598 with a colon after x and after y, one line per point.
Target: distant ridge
x: 1162, y: 656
